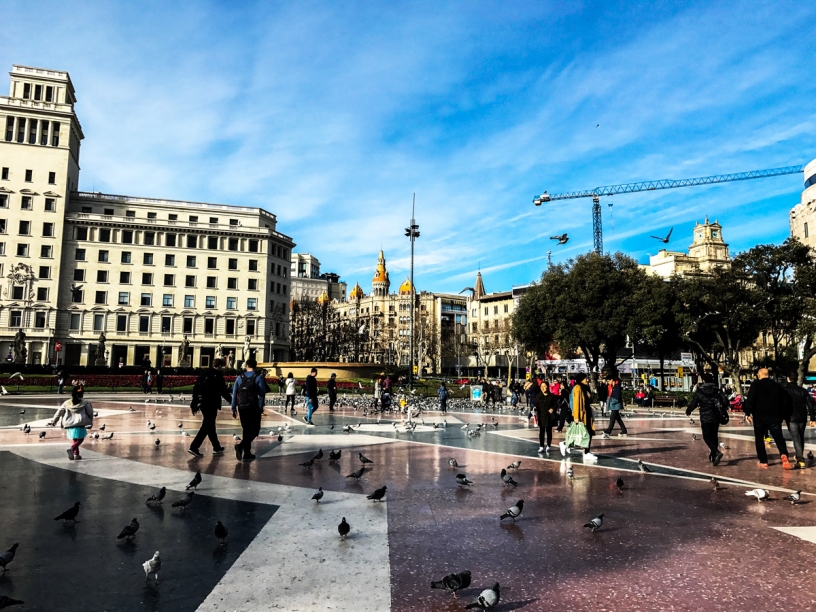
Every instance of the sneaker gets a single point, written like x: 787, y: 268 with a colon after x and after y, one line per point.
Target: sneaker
x: 70, y: 454
x: 540, y: 449
x: 239, y: 453
x: 77, y: 457
x: 590, y: 457
x: 785, y: 463
x: 306, y: 420
x: 763, y: 466
x: 717, y: 458
x: 802, y: 465
x: 546, y: 449
x: 248, y: 456
x: 563, y: 448
x: 195, y: 453
x: 605, y: 436
x: 309, y: 423
x: 623, y: 435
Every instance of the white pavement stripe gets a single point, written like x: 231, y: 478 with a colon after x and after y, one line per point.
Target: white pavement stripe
x: 808, y: 534
x: 304, y: 443
x: 297, y: 562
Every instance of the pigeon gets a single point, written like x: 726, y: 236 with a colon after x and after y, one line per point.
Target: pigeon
x: 131, y: 409
x: 453, y: 463
x: 378, y: 494
x: 157, y: 442
x: 195, y: 481
x: 643, y: 467
x: 364, y: 459
x: 714, y: 483
x: 42, y: 435
x: 487, y: 599
x: 570, y: 473
x: 69, y: 515
x: 693, y: 436
x: 507, y: 479
x: 562, y: 239
x: 26, y: 429
x: 691, y: 421
x: 158, y: 496
x: 666, y: 239
x: 319, y: 455
x: 513, y: 511
x: 8, y: 556
x: 619, y: 483
x: 463, y: 481
x: 102, y: 427
x: 347, y: 428
x: 453, y: 582
x: 7, y: 602
x: 152, y: 426
x: 308, y: 464
x: 180, y: 424
x: 22, y: 412
x: 185, y: 434
x: 723, y: 446
x: 236, y: 437
x: 595, y: 524
x: 794, y: 498
x: 514, y: 466
x: 280, y: 438
x: 343, y: 528
x: 184, y: 502
x: 152, y: 566
x: 760, y: 494
x: 356, y: 475
x: 129, y: 531
x: 335, y: 455
x: 810, y: 456
x: 108, y: 436
x: 221, y: 532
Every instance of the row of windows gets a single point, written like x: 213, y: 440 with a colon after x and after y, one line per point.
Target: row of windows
x: 24, y: 228
x: 192, y: 219
x: 5, y: 173
x: 27, y: 203
x: 103, y: 276
x: 144, y: 323
x: 40, y: 92
x: 506, y: 308
x: 169, y: 260
x: 32, y: 131
x: 212, y: 243
x: 146, y: 299
x: 24, y: 250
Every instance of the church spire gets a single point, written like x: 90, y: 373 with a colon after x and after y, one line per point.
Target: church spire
x: 478, y: 289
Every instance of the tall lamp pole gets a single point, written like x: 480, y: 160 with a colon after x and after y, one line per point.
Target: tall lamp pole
x: 412, y: 231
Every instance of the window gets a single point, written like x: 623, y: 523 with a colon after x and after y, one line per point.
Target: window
x: 252, y: 303
x: 252, y: 284
x: 16, y: 318
x: 87, y: 209
x: 250, y: 327
x: 121, y: 323
x: 230, y: 327
x: 487, y: 310
x: 146, y: 299
x: 55, y: 131
x: 25, y: 228
x: 79, y: 275
x: 124, y: 278
x: 232, y: 283
x: 169, y: 280
x: 42, y: 294
x: 189, y: 281
x: 193, y: 218
x: 127, y: 236
x: 191, y: 261
x: 150, y: 238
x: 79, y: 255
x: 76, y: 296
x: 167, y: 299
x: 103, y: 256
x: 172, y: 217
x: 100, y: 297
x: 148, y: 259
x: 26, y: 203
x: 151, y: 215
x: 807, y: 234
x: 124, y: 298
x: 212, y: 282
x: 52, y: 178
x: 4, y: 174
x: 232, y: 303
x: 26, y: 90
x: 147, y: 278
x: 188, y: 325
x: 253, y: 265
x: 166, y: 324
x: 75, y: 321
x: 253, y: 246
x: 212, y: 263
x: 214, y: 220
x: 3, y: 200
x: 144, y: 324
x: 46, y: 251
x: 169, y: 260
x: 44, y: 272
x: 2, y: 226
x: 101, y: 276
x: 108, y: 212
x: 212, y: 242
x: 48, y: 230
x: 29, y: 176
x: 189, y: 301
x: 127, y: 257
x: 50, y: 205
x: 17, y: 292
x: 233, y: 244
x: 130, y: 213
x: 39, y: 319
x: 192, y: 242
x: 9, y: 129
x: 209, y: 326
x: 232, y: 264
x: 98, y: 322
x: 170, y: 240
x: 32, y: 131
x: 2, y: 250
x: 506, y: 308
x: 104, y: 235
x: 44, y: 136
x: 209, y: 301
x: 21, y: 130
x: 22, y: 250
x: 495, y: 310
x: 233, y: 221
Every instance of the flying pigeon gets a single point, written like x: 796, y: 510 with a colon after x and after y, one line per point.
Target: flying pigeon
x: 158, y: 496
x: 335, y: 455
x: 487, y: 599
x: 129, y: 531
x: 221, y: 532
x: 643, y: 467
x: 471, y: 289
x: 8, y: 556
x: 513, y: 511
x: 794, y: 498
x: 463, y: 481
x: 453, y: 463
x: 619, y: 483
x: 562, y: 239
x: 514, y: 466
x: 7, y: 602
x: 185, y: 434
x: 666, y: 239
x: 69, y: 515
x: 319, y: 455
x: 26, y: 429
x: 507, y: 479
x: 195, y: 481
x: 319, y: 495
x: 356, y: 475
x: 152, y: 566
x: 595, y: 524
x: 453, y: 582
x: 42, y: 435
x: 308, y: 464
x: 760, y: 494
x: 183, y: 502
x: 364, y: 459
x: 378, y: 494
x: 343, y: 528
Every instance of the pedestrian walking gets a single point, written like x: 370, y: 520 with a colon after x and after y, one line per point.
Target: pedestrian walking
x: 331, y: 388
x: 248, y: 396
x: 291, y: 392
x: 208, y: 390
x: 767, y: 405
x: 712, y: 405
x: 602, y: 390
x: 74, y: 416
x: 802, y: 407
x: 378, y: 392
x: 159, y: 381
x: 145, y: 381
x: 311, y: 396
x: 281, y: 385
x: 582, y: 413
x: 442, y: 393
x: 615, y: 401
x: 546, y: 406
x: 564, y: 410
x: 62, y: 375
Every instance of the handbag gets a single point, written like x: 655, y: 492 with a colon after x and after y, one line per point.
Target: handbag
x: 722, y: 412
x: 577, y: 435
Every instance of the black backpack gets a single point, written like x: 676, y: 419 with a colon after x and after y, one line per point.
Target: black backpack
x: 248, y: 392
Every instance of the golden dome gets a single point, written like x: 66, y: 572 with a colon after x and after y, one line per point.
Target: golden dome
x: 356, y: 292
x: 381, y: 275
x: 323, y: 298
x: 405, y: 287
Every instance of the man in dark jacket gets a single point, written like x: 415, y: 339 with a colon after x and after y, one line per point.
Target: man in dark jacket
x: 802, y: 407
x: 248, y: 398
x: 710, y: 400
x: 615, y: 404
x: 311, y: 396
x: 207, y: 393
x: 767, y: 405
x: 331, y: 387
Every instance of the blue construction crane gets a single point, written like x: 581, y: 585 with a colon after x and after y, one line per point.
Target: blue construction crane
x: 611, y: 190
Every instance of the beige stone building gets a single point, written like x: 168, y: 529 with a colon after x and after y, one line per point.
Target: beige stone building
x: 308, y: 282
x: 708, y: 251
x: 803, y: 215
x: 147, y: 273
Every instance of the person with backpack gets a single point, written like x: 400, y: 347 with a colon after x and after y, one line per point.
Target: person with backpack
x: 248, y: 395
x: 74, y: 416
x: 208, y: 390
x: 802, y: 406
x: 442, y: 393
x: 712, y: 404
x: 331, y: 388
x: 311, y: 396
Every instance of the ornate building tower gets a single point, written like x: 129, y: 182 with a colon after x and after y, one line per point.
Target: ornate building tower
x: 381, y: 283
x: 708, y: 246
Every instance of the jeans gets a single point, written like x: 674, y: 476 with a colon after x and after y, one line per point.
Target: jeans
x: 775, y: 427
x: 311, y: 406
x: 207, y: 429
x: 288, y: 398
x: 443, y: 404
x: 615, y: 417
x: 251, y: 425
x: 797, y: 432
x: 711, y: 436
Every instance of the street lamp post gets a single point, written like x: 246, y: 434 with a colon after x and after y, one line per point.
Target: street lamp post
x: 412, y: 232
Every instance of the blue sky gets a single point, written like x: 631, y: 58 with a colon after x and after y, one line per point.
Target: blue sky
x: 332, y: 114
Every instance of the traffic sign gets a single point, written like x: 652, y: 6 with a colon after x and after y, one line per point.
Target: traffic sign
x: 58, y: 347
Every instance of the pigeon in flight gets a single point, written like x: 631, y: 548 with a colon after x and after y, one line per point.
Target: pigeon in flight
x: 335, y: 455
x: 343, y: 528
x: 794, y: 498
x: 69, y: 515
x: 453, y: 463
x: 378, y: 494
x: 666, y: 239
x: 595, y: 524
x: 643, y: 467
x: 308, y: 464
x: 507, y: 479
x: 619, y: 483
x: 358, y: 474
x: 487, y: 599
x: 8, y: 556
x: 453, y: 582
x: 463, y: 481
x: 7, y: 602
x: 195, y: 481
x: 183, y: 502
x: 221, y: 532
x: 319, y: 495
x: 513, y: 511
x: 471, y: 289
x: 129, y: 531
x: 347, y: 429
x: 514, y: 466
x: 158, y: 496
x: 562, y: 239
x: 152, y: 566
x: 364, y: 459
x: 760, y: 494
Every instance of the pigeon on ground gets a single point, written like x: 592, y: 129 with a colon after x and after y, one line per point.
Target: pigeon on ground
x: 157, y: 442
x: 794, y: 498
x: 691, y: 421
x: 810, y: 456
x: 595, y: 524
x: 463, y: 481
x: 221, y: 532
x: 513, y: 511
x: 378, y: 494
x: 7, y: 602
x: 714, y: 483
x: 619, y: 483
x: 570, y: 473
x: 308, y: 464
x: 22, y: 412
x: 129, y: 531
x: 453, y: 463
x: 335, y: 455
x: 108, y: 436
x: 488, y: 598
x: 195, y: 481
x: 152, y: 427
x: 693, y: 436
x: 69, y: 515
x: 152, y: 566
x: 185, y: 434
x: 364, y: 459
x: 184, y: 502
x: 158, y: 496
x: 319, y: 495
x: 347, y: 428
x: 95, y: 435
x: 514, y: 466
x: 319, y: 455
x: 26, y: 429
x: 8, y: 556
x: 643, y: 467
x: 343, y: 528
x: 42, y: 435
x: 356, y: 475
x: 180, y: 424
x: 131, y: 409
x: 507, y: 479
x: 236, y: 437
x: 453, y: 582
x: 760, y: 494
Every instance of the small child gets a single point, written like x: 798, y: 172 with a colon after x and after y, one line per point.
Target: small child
x: 73, y: 416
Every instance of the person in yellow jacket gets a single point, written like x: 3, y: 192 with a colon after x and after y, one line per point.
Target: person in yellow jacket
x: 582, y: 413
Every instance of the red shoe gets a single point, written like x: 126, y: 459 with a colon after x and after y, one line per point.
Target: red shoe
x: 764, y: 466
x: 785, y: 463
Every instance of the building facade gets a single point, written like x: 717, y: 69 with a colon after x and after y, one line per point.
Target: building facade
x: 803, y: 215
x: 708, y: 251
x: 113, y: 279
x: 309, y: 283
